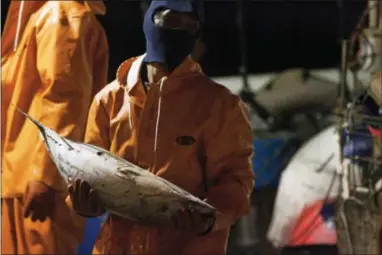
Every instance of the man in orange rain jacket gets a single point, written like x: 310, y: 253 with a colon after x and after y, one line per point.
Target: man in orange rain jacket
x: 54, y: 60
x: 165, y: 115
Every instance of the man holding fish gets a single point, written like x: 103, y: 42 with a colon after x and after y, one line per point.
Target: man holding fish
x: 54, y: 60
x: 163, y: 114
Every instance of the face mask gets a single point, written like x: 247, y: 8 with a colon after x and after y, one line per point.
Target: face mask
x: 169, y: 46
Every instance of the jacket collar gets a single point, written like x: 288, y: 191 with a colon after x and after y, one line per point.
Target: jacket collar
x: 128, y: 74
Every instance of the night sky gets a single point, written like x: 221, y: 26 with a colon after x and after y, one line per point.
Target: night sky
x: 280, y: 34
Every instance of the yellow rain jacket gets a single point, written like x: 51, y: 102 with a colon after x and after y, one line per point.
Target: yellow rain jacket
x: 54, y: 60
x: 183, y: 125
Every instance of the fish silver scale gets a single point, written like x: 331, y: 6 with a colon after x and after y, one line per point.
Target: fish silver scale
x: 124, y: 189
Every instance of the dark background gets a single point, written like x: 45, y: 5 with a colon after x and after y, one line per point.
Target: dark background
x: 280, y: 34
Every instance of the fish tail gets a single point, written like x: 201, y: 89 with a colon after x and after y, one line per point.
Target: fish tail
x: 38, y: 124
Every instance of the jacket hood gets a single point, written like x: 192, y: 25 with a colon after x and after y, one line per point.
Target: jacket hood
x: 18, y: 16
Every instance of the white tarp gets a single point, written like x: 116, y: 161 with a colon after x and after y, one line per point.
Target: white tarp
x: 306, y: 179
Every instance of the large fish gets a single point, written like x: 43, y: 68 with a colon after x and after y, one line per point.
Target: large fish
x: 124, y: 188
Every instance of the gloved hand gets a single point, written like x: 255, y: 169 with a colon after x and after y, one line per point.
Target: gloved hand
x: 39, y: 200
x: 85, y: 199
x: 193, y: 221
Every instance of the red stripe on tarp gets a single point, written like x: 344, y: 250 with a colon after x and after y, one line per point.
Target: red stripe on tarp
x: 375, y: 132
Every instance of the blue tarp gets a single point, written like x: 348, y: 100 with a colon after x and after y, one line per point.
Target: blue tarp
x: 272, y: 153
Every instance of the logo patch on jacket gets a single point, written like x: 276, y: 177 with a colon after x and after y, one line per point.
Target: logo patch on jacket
x: 185, y: 140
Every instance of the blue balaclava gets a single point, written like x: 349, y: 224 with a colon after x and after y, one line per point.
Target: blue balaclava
x: 169, y: 46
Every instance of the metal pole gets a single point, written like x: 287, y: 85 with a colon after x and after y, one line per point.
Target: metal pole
x: 373, y: 14
x: 342, y: 88
x: 246, y: 94
x: 242, y: 44
x: 343, y: 73
x: 341, y: 106
x: 341, y: 18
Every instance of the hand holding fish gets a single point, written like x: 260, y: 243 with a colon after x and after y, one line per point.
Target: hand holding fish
x: 85, y: 199
x: 193, y: 221
x: 38, y: 201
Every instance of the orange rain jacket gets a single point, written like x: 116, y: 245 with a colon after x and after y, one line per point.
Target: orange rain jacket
x: 54, y: 60
x: 185, y: 123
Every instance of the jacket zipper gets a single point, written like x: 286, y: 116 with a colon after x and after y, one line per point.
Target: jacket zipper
x: 158, y: 119
x: 146, y: 106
